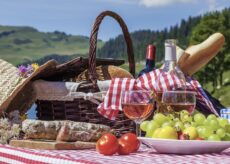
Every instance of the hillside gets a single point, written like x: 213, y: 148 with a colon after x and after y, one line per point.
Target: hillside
x: 116, y: 48
x: 214, y: 76
x: 22, y: 44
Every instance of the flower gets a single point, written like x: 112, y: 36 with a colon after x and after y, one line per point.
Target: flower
x: 35, y: 66
x: 22, y: 70
x: 25, y: 72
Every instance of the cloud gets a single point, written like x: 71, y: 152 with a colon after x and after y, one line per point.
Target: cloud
x: 212, y: 5
x: 129, y: 2
x: 157, y: 3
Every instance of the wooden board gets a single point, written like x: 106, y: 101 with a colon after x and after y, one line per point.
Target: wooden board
x: 52, y: 145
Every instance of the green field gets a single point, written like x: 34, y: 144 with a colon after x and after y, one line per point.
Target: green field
x: 222, y: 93
x: 20, y: 44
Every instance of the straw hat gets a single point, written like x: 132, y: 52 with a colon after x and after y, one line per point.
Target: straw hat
x: 14, y: 89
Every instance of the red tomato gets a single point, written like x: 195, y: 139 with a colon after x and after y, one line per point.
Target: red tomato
x: 128, y: 143
x: 107, y: 144
x: 199, y: 138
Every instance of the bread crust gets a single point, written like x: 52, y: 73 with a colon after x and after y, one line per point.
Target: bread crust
x: 197, y: 56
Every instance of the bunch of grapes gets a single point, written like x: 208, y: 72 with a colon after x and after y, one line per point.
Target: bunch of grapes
x: 184, y: 126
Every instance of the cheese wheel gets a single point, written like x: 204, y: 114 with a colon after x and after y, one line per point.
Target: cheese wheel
x: 197, y: 56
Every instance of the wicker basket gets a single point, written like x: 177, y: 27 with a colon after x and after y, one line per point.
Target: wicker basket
x: 84, y: 110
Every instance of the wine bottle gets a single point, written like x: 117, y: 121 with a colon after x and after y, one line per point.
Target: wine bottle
x: 170, y: 63
x: 150, y: 59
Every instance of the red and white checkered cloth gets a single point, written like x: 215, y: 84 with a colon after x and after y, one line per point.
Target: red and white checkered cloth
x: 12, y: 155
x: 150, y: 81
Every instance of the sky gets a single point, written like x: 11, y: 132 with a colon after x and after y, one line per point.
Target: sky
x: 77, y: 16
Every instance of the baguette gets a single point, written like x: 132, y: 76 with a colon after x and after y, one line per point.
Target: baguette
x: 63, y: 130
x: 197, y: 56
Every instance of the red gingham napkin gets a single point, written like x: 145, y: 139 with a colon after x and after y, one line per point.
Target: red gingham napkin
x: 156, y: 80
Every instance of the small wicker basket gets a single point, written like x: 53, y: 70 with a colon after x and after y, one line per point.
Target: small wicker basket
x: 84, y: 110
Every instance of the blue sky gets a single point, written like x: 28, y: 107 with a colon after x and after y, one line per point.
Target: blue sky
x: 77, y: 16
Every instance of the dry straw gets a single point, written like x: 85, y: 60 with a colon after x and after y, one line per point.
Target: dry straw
x: 11, y: 84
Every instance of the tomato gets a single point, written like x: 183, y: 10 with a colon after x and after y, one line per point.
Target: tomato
x: 199, y: 138
x: 128, y: 143
x: 107, y: 144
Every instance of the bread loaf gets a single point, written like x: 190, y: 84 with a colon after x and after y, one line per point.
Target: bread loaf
x: 197, y: 56
x: 105, y: 72
x: 63, y: 130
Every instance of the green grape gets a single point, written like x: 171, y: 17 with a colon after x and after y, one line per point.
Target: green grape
x: 144, y: 125
x: 213, y: 123
x: 184, y: 112
x: 186, y: 118
x: 151, y: 127
x: 176, y: 119
x: 206, y: 122
x: 214, y: 137
x: 222, y: 122
x: 199, y: 129
x: 227, y: 128
x: 171, y: 117
x: 156, y: 132
x: 226, y: 137
x: 168, y: 123
x: 179, y: 126
x: 192, y: 132
x: 186, y: 125
x: 194, y: 124
x: 160, y: 118
x: 205, y: 132
x: 211, y: 117
x: 168, y: 133
x: 220, y: 132
x: 199, y: 118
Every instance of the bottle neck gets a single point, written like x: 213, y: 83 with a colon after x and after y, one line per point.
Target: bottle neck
x: 150, y: 56
x: 150, y: 63
x: 170, y: 52
x: 169, y: 65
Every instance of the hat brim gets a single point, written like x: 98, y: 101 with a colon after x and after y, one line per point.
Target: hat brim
x: 19, y: 88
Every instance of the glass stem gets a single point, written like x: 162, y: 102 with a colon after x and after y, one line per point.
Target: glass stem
x: 138, y: 129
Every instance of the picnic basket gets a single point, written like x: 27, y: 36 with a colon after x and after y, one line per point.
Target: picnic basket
x: 84, y: 110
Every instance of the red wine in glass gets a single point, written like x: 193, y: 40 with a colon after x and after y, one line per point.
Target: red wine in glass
x: 137, y: 111
x: 137, y: 106
x: 180, y: 100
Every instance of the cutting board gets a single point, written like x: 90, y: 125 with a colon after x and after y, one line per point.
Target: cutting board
x: 53, y: 145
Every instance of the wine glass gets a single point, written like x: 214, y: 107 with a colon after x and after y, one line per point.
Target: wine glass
x: 180, y: 100
x: 137, y: 106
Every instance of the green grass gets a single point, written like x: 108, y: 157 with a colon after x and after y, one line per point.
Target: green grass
x: 19, y: 44
x: 139, y: 67
x: 222, y: 93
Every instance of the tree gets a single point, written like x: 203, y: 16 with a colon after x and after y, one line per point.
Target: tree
x: 209, y: 24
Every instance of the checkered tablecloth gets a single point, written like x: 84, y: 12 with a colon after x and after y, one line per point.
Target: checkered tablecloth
x: 145, y: 155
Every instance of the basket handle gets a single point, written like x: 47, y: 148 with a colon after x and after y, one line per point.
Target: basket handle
x: 93, y: 44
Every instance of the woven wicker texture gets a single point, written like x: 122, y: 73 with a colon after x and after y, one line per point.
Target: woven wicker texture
x: 83, y: 110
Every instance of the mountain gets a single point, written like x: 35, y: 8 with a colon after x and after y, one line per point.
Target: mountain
x: 23, y: 44
x: 116, y: 48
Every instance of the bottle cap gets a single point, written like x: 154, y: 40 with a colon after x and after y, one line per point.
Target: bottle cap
x: 151, y: 52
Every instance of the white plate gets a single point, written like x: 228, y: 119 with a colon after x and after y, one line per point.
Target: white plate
x: 185, y: 146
